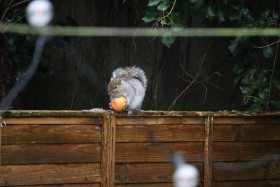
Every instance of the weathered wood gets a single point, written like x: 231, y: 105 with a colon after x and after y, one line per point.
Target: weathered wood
x: 64, y: 185
x: 48, y: 134
x: 44, y: 154
x: 254, y: 170
x: 54, y: 120
x: 85, y: 113
x: 245, y: 151
x: 49, y: 174
x: 162, y: 133
x: 246, y: 132
x: 150, y: 185
x: 257, y: 120
x: 108, y: 151
x: 148, y: 152
x: 253, y: 183
x: 113, y: 149
x: 159, y: 120
x: 146, y: 173
x: 208, y: 151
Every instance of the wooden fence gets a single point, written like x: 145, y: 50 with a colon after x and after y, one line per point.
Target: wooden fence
x: 83, y: 148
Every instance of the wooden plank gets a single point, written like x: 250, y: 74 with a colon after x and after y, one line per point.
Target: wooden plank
x: 108, y: 151
x: 254, y: 183
x: 64, y: 185
x: 245, y: 151
x: 148, y: 152
x: 208, y: 151
x: 48, y: 134
x: 146, y: 173
x: 54, y: 120
x: 256, y: 170
x: 49, y: 174
x: 113, y: 149
x: 246, y: 132
x: 243, y: 120
x: 45, y: 154
x: 150, y: 185
x: 162, y: 133
x: 159, y: 120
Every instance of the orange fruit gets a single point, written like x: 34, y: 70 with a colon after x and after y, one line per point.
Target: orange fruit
x: 118, y: 104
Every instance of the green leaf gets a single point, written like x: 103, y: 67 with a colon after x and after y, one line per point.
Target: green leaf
x: 268, y: 52
x: 177, y: 24
x: 153, y: 3
x: 163, y: 6
x: 221, y: 17
x: 168, y: 40
x: 149, y: 17
x: 209, y: 13
x: 263, y: 94
x: 163, y: 22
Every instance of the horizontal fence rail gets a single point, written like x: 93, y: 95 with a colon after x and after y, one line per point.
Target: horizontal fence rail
x: 85, y: 148
x: 137, y: 32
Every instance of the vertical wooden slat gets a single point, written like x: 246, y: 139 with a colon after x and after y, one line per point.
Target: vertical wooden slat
x: 108, y: 151
x: 208, y: 151
x: 113, y: 150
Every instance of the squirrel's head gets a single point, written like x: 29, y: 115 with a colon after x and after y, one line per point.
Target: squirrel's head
x: 114, y: 86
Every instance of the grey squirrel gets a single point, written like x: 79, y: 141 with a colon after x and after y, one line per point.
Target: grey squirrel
x: 130, y: 82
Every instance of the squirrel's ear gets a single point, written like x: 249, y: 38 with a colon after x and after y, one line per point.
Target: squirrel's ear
x: 111, y: 79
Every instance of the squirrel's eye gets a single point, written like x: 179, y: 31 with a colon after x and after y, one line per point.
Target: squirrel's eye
x: 115, y: 87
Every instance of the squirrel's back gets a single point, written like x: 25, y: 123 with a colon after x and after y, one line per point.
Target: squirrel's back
x: 131, y: 72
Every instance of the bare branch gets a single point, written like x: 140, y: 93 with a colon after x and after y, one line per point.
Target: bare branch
x: 192, y: 82
x: 273, y: 43
x: 20, y: 3
x: 6, y: 11
x: 271, y: 77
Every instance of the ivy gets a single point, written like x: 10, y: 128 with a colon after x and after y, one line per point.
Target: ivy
x: 254, y: 59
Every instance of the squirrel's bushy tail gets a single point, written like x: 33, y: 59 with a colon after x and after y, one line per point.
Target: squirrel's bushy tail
x: 131, y: 72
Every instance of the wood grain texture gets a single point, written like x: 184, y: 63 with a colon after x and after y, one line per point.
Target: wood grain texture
x: 148, y: 152
x: 245, y: 151
x: 147, y: 173
x: 55, y: 120
x: 150, y: 185
x: 208, y: 151
x: 252, y: 120
x: 49, y: 174
x: 108, y: 151
x: 48, y: 134
x: 64, y: 185
x: 253, y: 183
x: 254, y: 170
x: 45, y: 154
x: 246, y: 132
x: 161, y: 133
x: 159, y: 120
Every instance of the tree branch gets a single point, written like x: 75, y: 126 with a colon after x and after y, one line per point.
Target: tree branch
x: 6, y: 11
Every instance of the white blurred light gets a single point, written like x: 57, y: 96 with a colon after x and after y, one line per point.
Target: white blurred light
x: 39, y: 13
x: 186, y: 176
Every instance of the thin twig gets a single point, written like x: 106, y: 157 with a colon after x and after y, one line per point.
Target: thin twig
x: 277, y: 42
x: 271, y: 77
x: 193, y: 81
x: 20, y: 3
x: 6, y: 11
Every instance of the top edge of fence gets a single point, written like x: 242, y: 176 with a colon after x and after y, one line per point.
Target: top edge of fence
x: 89, y: 113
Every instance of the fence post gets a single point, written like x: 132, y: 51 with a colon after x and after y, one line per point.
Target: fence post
x: 208, y: 151
x: 108, y: 151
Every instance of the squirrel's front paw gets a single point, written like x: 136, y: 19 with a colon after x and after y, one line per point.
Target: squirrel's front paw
x: 129, y: 113
x: 110, y: 106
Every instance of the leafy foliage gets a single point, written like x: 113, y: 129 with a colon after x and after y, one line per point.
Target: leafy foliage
x: 254, y: 59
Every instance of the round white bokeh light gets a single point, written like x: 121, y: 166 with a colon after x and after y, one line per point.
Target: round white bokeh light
x: 39, y: 13
x: 186, y: 176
